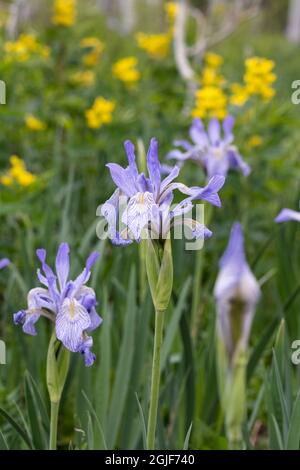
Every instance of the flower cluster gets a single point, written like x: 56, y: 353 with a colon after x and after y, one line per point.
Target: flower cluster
x: 148, y: 200
x: 64, y: 12
x: 211, y: 101
x: 93, y: 49
x: 156, y: 45
x: 17, y: 173
x: 100, y: 113
x: 216, y: 94
x: 259, y: 77
x: 34, y: 124
x: 69, y: 304
x: 214, y: 152
x: 23, y: 48
x: 126, y: 70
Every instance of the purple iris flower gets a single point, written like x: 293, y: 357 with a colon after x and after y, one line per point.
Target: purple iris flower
x: 69, y: 304
x: 236, y: 292
x: 4, y: 262
x: 147, y: 200
x: 286, y: 215
x: 212, y: 150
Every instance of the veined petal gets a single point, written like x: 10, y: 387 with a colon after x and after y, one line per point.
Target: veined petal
x: 210, y: 191
x: 166, y: 181
x: 62, y: 265
x: 138, y: 213
x: 71, y: 321
x: 122, y: 178
x: 153, y: 166
x: 49, y: 275
x: 286, y: 215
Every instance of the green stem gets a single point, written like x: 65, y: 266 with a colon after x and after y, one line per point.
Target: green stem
x: 53, y: 425
x: 155, y: 379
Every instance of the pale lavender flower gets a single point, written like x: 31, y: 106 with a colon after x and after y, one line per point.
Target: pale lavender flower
x: 286, y: 215
x: 236, y: 292
x: 212, y: 150
x: 69, y: 304
x: 147, y: 200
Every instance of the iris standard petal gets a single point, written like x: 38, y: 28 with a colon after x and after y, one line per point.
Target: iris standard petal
x: 129, y: 149
x: 214, y: 131
x: 198, y: 134
x: 62, y: 265
x: 153, y: 166
x: 122, y: 178
x: 228, y: 124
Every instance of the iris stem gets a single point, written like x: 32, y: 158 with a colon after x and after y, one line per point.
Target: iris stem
x: 155, y: 379
x: 53, y: 425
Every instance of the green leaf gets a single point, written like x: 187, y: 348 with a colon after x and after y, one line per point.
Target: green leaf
x: 23, y: 434
x: 294, y: 429
x: 123, y: 372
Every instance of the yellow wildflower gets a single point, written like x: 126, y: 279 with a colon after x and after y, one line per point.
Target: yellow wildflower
x: 211, y: 101
x: 17, y: 173
x: 171, y: 9
x: 23, y: 48
x: 126, y: 71
x: 259, y: 77
x: 156, y: 45
x: 239, y: 95
x: 254, y: 141
x: 64, y: 12
x: 34, y: 124
x: 95, y: 48
x: 85, y: 78
x: 100, y: 113
x: 210, y: 77
x: 6, y: 180
x: 213, y: 60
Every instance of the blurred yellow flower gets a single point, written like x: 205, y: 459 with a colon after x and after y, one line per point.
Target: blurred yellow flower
x: 17, y: 173
x: 100, y: 113
x: 95, y: 48
x: 211, y: 77
x: 239, y: 94
x: 64, y: 12
x: 156, y: 45
x: 211, y: 101
x: 34, y: 124
x: 213, y: 60
x: 23, y: 48
x: 84, y: 78
x: 259, y: 77
x: 254, y: 141
x: 126, y: 70
x: 171, y: 9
